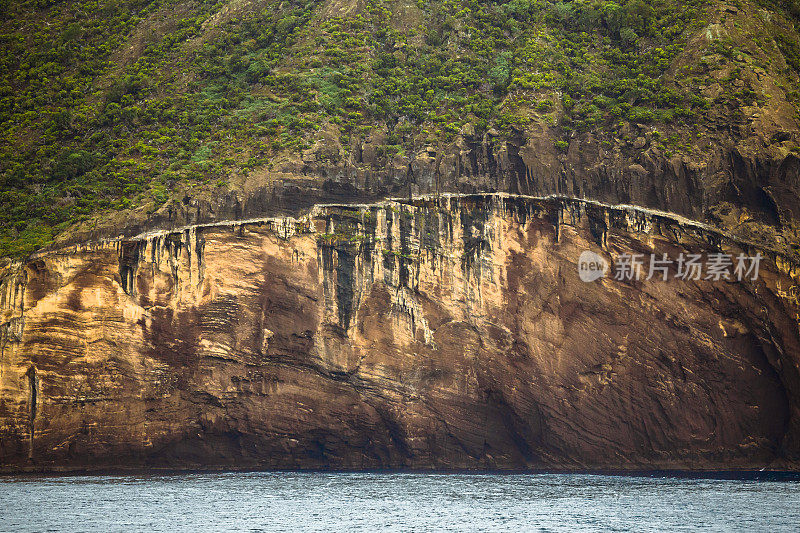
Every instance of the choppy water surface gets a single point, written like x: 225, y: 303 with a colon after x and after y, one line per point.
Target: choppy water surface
x: 399, y: 502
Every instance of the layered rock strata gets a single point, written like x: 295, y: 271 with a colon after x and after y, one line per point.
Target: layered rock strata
x: 446, y: 332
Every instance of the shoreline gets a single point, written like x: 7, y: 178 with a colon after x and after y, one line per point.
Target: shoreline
x: 737, y: 475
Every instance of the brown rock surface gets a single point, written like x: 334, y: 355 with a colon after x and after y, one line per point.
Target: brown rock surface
x: 445, y: 333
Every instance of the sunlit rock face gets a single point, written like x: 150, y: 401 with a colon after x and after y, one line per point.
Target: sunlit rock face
x: 444, y: 333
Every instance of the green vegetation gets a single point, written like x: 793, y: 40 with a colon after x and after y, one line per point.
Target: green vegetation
x: 108, y: 105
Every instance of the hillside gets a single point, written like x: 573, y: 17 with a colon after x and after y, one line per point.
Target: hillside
x: 127, y: 115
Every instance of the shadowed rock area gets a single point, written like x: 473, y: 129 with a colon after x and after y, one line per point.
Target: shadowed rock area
x: 445, y: 332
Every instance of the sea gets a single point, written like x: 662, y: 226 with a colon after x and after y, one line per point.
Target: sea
x: 382, y: 501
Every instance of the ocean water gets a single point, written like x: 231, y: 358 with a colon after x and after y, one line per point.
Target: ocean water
x: 395, y: 502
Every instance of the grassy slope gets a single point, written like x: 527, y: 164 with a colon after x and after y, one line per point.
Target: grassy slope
x: 108, y: 105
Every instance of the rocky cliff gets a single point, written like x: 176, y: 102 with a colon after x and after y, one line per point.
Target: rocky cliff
x: 440, y: 332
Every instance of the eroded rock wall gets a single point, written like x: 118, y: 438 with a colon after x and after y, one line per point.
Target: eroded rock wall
x: 766, y: 186
x: 448, y: 332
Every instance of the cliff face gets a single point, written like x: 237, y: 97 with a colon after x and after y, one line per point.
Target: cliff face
x: 436, y: 333
x: 743, y: 189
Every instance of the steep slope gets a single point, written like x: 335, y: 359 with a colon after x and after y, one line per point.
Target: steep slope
x: 123, y: 116
x: 442, y: 333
